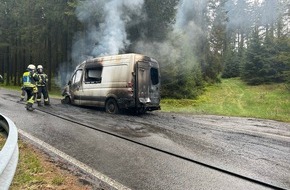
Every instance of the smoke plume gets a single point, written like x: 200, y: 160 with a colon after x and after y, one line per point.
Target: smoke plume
x: 105, y: 22
x: 181, y: 41
x: 245, y: 14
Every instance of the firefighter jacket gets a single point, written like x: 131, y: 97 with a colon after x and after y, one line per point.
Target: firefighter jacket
x: 29, y: 79
x: 43, y: 79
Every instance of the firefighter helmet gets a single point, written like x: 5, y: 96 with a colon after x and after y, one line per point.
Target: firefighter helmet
x: 39, y: 67
x: 31, y: 67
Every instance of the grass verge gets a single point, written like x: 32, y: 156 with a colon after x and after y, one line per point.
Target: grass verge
x: 36, y: 171
x: 232, y: 97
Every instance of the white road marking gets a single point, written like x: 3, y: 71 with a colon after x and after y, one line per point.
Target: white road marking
x: 75, y: 162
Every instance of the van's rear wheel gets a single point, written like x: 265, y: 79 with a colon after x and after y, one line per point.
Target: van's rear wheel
x: 112, y: 106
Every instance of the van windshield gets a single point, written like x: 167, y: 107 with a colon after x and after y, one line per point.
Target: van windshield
x: 77, y: 76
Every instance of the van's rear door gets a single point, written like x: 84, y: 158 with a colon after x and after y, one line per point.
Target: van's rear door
x: 148, y: 84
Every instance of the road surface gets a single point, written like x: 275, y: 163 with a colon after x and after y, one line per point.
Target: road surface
x: 163, y: 150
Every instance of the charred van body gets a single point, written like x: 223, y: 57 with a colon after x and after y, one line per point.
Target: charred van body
x: 127, y: 81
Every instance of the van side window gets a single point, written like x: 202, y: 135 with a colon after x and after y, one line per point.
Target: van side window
x: 77, y: 76
x: 94, y: 75
x: 154, y: 76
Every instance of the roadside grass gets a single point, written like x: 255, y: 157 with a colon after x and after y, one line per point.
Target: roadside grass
x: 35, y: 171
x: 54, y: 93
x: 232, y: 97
x: 2, y: 140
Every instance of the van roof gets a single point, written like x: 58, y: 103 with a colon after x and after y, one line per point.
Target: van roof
x: 120, y: 56
x: 116, y: 57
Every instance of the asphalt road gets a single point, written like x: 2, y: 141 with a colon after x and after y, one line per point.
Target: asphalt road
x: 254, y: 148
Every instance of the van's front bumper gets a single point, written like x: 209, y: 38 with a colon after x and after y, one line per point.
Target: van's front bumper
x: 152, y: 108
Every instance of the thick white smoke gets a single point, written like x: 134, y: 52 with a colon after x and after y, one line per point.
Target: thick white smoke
x: 187, y: 10
x: 188, y: 18
x: 113, y: 30
x: 105, y: 22
x: 245, y: 14
x: 182, y: 40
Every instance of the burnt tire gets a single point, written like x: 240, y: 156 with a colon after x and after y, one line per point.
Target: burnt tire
x: 112, y: 106
x: 66, y: 100
x: 140, y: 110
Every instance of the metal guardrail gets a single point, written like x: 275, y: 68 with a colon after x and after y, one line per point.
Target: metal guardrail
x: 9, y: 153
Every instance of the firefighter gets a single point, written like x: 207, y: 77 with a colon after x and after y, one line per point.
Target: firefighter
x: 42, y: 86
x: 29, y: 80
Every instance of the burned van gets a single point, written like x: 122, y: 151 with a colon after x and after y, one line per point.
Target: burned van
x: 127, y: 81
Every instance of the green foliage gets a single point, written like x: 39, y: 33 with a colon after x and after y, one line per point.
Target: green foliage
x: 29, y: 166
x: 160, y: 16
x: 232, y: 97
x: 265, y: 62
x: 58, y: 180
x: 36, y: 171
x: 251, y: 70
x: 2, y: 140
x: 182, y: 82
x: 181, y: 74
x: 218, y: 40
x: 231, y: 64
x: 283, y: 57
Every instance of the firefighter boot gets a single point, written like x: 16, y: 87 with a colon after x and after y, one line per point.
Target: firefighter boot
x: 46, y: 103
x: 29, y: 107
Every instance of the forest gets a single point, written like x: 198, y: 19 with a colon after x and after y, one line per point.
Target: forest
x: 196, y: 42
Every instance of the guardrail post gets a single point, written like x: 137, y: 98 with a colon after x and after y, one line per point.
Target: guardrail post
x: 9, y: 153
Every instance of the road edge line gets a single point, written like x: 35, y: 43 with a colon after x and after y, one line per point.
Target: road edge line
x: 73, y: 161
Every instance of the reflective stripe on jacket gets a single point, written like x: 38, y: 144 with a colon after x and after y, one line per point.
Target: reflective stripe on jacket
x: 29, y: 79
x: 43, y: 79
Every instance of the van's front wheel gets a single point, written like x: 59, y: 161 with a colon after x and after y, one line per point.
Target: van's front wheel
x: 66, y: 100
x: 112, y: 106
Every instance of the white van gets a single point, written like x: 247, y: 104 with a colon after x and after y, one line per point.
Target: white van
x: 126, y: 81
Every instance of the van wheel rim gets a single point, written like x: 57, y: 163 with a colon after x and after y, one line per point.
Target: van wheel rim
x: 111, y: 106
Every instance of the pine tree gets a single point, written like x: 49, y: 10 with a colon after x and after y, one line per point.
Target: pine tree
x: 252, y: 70
x: 231, y: 64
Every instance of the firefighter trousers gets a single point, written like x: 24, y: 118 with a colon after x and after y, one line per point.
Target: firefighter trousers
x: 42, y: 90
x: 31, y: 94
